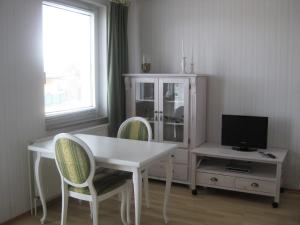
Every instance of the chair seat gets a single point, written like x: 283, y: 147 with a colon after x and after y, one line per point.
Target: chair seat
x: 100, y: 171
x: 105, y: 180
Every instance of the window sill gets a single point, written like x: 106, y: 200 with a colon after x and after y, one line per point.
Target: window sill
x: 74, y: 119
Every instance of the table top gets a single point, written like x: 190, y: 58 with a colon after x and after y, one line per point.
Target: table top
x: 219, y: 151
x: 116, y: 151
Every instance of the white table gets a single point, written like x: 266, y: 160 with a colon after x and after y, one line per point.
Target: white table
x: 121, y: 154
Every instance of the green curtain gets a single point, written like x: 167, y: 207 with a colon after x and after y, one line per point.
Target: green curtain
x: 117, y: 65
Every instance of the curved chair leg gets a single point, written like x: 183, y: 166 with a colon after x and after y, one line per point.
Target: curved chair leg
x: 123, y: 204
x: 146, y: 188
x: 65, y: 201
x: 95, y: 211
x: 128, y: 201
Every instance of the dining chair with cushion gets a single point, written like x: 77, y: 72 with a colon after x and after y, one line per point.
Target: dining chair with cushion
x: 137, y: 128
x: 76, y: 166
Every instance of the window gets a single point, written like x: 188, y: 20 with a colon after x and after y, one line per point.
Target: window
x: 70, y: 44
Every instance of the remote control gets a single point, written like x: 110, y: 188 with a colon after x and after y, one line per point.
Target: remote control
x: 269, y: 155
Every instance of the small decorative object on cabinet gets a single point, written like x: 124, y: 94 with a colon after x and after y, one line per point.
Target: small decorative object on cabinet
x: 146, y: 64
x: 175, y: 106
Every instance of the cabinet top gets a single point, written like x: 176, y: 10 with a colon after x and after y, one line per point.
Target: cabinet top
x: 163, y: 75
x: 218, y: 151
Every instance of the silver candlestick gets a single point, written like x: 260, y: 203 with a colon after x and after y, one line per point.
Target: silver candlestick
x: 192, y: 68
x: 183, y: 64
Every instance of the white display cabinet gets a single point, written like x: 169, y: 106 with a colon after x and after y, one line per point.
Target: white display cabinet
x: 175, y: 106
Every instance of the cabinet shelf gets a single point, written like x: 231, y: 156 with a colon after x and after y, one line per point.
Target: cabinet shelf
x: 173, y: 123
x: 174, y: 101
x: 144, y: 100
x: 218, y: 166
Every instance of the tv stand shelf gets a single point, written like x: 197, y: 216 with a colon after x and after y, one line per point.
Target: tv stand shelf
x: 209, y: 169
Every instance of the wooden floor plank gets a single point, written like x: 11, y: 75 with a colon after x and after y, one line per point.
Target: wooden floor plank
x: 209, y: 207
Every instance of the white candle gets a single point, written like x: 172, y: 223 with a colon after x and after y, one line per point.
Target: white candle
x: 144, y: 59
x: 182, y: 48
x: 192, y: 60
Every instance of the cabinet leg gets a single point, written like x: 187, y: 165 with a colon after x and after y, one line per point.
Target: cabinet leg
x: 275, y: 205
x: 194, y: 191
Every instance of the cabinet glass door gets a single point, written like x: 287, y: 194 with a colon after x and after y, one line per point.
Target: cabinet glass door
x: 146, y: 102
x: 174, y: 110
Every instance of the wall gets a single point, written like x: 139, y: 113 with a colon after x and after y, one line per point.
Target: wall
x: 21, y: 101
x: 251, y: 51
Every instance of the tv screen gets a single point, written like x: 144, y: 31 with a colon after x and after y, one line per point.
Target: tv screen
x: 244, y: 131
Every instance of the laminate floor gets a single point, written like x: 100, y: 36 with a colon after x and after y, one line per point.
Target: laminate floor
x: 209, y: 207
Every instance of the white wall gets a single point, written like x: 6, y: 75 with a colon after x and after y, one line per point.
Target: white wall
x: 251, y: 51
x: 21, y: 101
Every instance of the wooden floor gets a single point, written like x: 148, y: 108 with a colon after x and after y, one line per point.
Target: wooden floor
x: 209, y: 207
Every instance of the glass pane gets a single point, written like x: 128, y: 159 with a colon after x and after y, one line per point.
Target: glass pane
x: 144, y: 102
x: 68, y: 59
x: 173, y: 102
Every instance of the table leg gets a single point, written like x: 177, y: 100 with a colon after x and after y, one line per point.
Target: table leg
x: 169, y: 176
x: 193, y: 171
x: 137, y: 189
x: 278, y: 185
x: 37, y: 172
x: 29, y: 160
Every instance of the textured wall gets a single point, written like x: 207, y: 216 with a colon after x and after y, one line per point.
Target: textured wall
x: 21, y: 99
x: 21, y: 102
x: 251, y: 51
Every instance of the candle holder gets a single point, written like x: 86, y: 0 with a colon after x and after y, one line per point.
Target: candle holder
x: 183, y: 64
x: 146, y: 67
x: 191, y: 69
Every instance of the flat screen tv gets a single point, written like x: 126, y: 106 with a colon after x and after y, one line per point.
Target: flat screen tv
x: 244, y: 133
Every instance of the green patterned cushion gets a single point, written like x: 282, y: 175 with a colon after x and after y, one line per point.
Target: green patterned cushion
x: 105, y: 181
x: 135, y: 130
x: 73, y: 161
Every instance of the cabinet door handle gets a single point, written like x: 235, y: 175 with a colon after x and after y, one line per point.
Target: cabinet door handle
x: 214, y: 179
x: 155, y: 116
x: 161, y: 116
x: 255, y: 185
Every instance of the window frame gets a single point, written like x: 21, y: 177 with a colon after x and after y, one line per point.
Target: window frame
x: 99, y: 113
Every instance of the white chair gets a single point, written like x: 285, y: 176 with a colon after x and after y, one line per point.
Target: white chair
x: 76, y: 166
x: 137, y: 128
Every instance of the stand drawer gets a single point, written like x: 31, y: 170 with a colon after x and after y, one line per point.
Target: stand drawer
x: 214, y: 180
x: 255, y: 185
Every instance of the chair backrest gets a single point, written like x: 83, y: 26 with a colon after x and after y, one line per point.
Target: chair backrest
x: 135, y: 128
x: 74, y: 160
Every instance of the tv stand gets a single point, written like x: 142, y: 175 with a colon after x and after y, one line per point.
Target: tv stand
x: 244, y: 149
x: 209, y: 163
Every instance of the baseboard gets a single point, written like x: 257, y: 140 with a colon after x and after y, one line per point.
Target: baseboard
x: 28, y: 213
x: 297, y: 191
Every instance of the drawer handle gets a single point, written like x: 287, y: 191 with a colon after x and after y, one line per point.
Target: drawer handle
x: 214, y: 179
x: 255, y: 185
